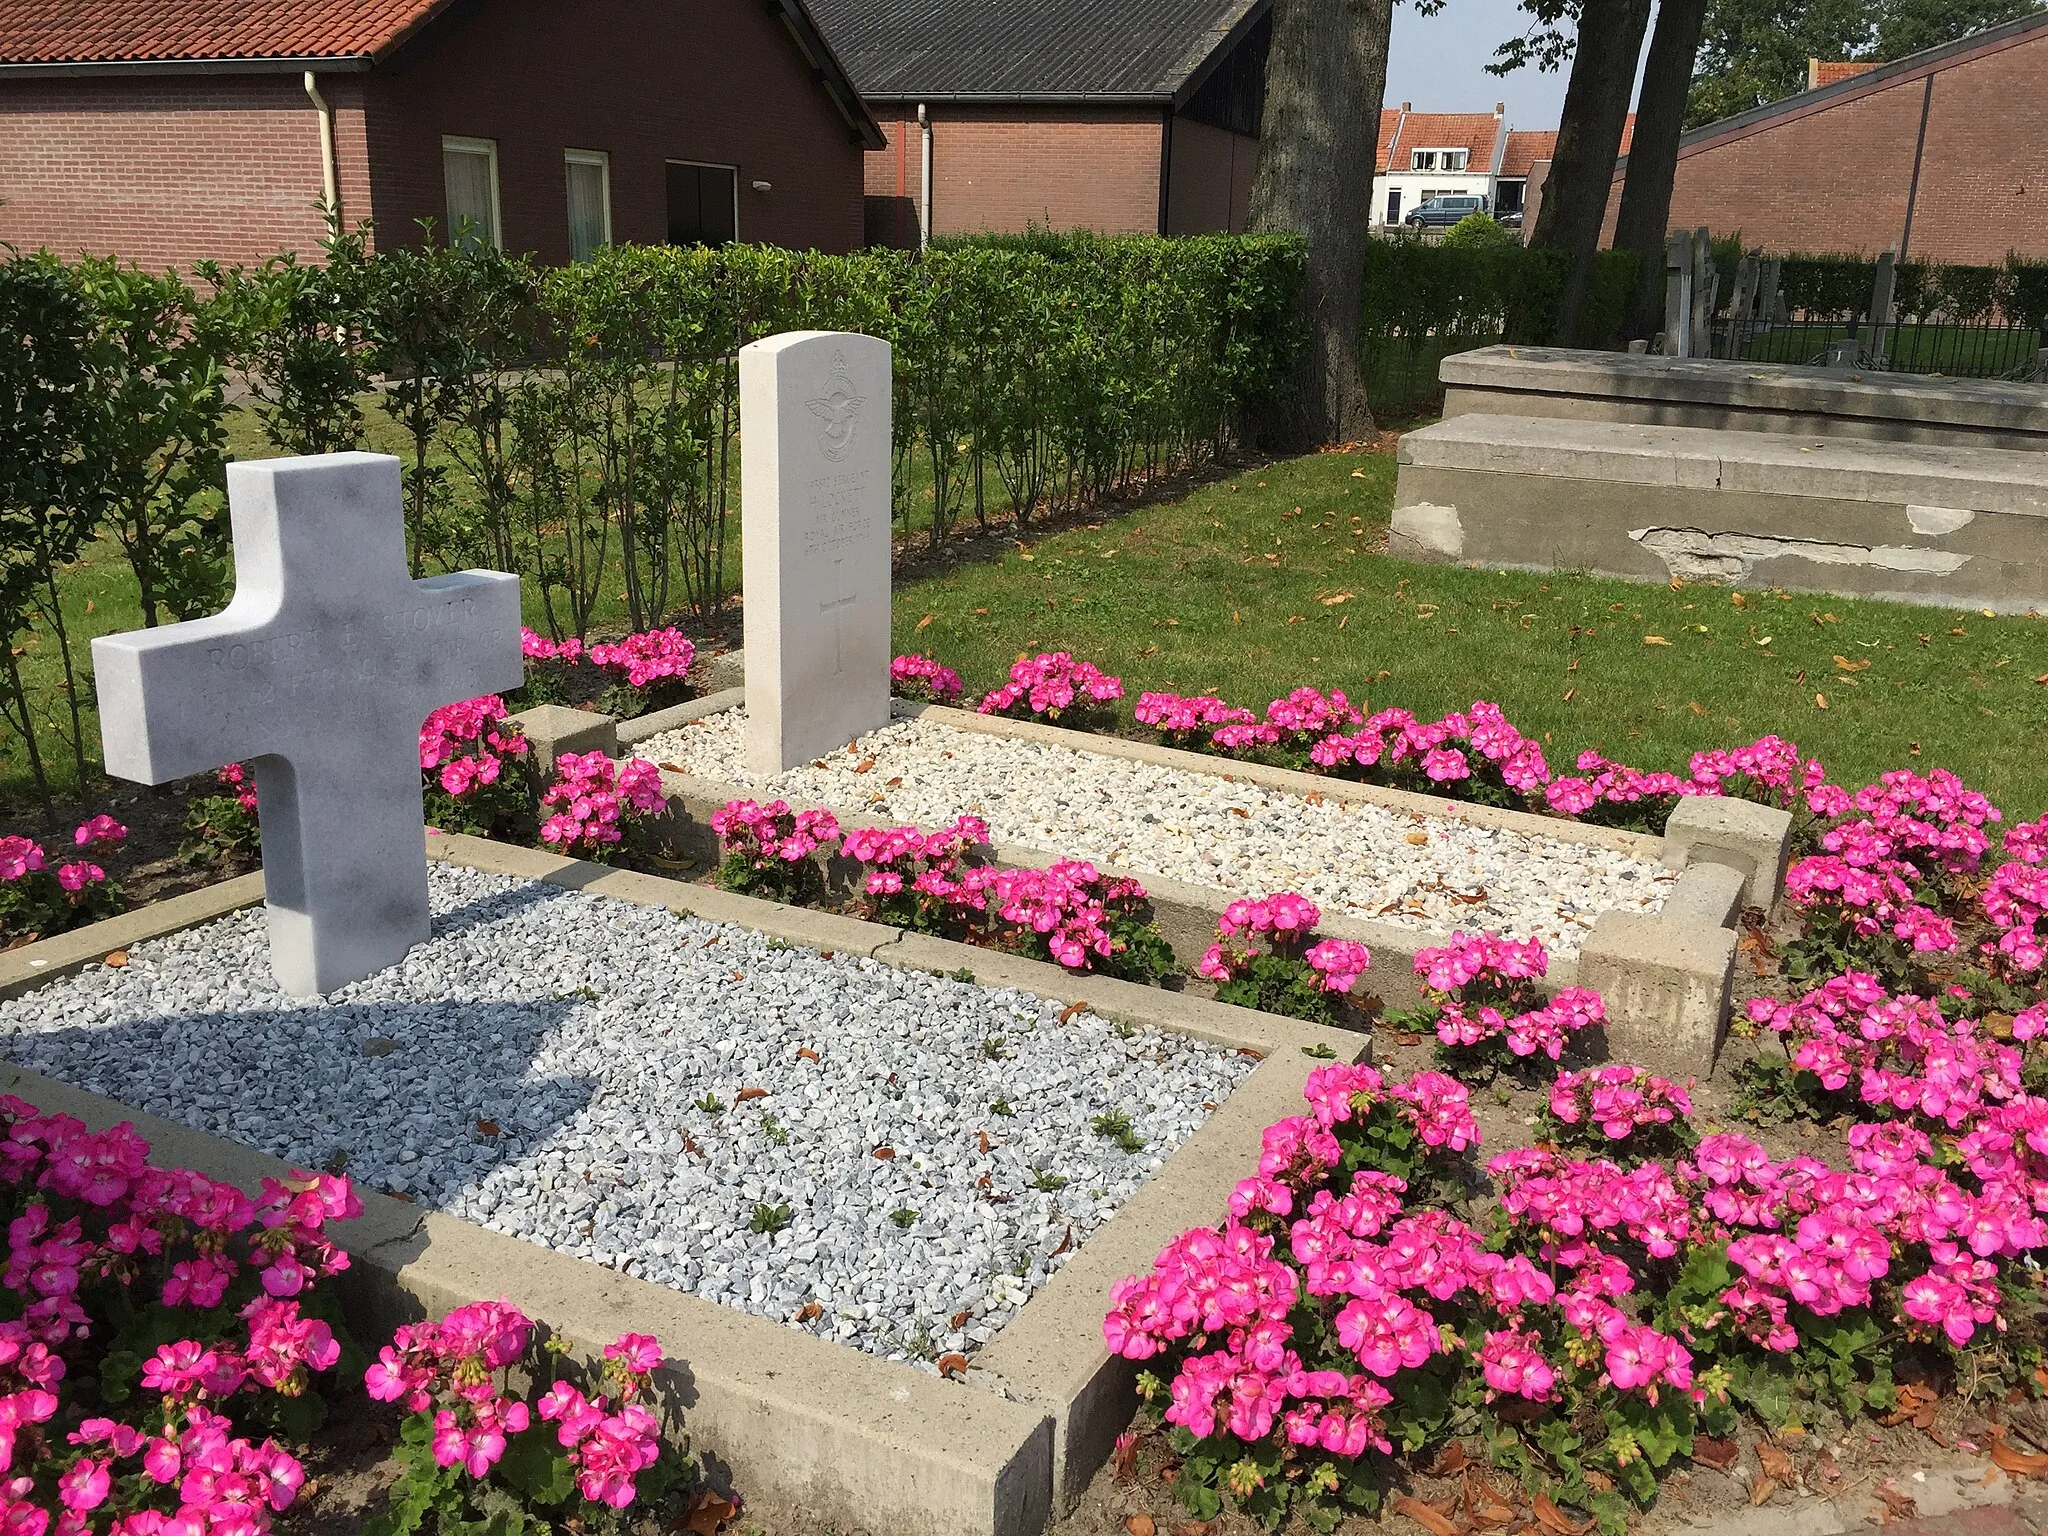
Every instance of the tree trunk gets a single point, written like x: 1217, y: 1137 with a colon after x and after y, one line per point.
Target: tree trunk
x: 1653, y: 156
x: 1325, y: 74
x: 1588, y: 143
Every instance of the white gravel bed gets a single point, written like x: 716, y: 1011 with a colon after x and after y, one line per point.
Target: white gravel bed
x: 1200, y: 829
x: 569, y: 1069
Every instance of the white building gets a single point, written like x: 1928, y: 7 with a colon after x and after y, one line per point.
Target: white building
x: 1436, y: 154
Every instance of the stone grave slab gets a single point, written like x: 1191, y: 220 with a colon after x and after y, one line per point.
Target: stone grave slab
x: 318, y: 673
x: 815, y: 485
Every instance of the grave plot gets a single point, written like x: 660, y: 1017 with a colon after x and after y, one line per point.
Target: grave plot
x: 882, y: 1157
x: 1219, y: 830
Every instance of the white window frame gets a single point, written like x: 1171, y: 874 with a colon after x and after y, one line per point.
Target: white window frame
x: 717, y: 165
x: 1456, y: 159
x: 489, y: 149
x: 1422, y: 159
x: 1450, y: 161
x: 603, y: 161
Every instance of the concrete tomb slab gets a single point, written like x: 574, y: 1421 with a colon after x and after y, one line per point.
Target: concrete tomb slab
x: 815, y: 483
x: 319, y: 673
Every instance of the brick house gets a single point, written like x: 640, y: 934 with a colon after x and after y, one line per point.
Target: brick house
x: 1938, y: 156
x: 1435, y: 154
x: 169, y: 130
x: 1120, y: 116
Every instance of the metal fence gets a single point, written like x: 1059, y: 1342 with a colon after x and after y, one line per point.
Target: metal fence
x: 1753, y: 323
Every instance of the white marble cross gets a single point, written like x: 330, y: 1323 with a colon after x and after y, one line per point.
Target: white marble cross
x: 320, y: 673
x: 814, y: 526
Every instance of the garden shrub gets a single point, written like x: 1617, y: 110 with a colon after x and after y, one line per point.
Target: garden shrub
x: 42, y: 894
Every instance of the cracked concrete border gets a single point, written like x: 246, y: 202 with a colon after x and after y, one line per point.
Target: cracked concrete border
x: 805, y: 1428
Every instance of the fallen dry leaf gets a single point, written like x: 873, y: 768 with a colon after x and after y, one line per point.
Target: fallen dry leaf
x: 1419, y: 839
x: 883, y: 1154
x: 952, y: 1365
x: 1551, y: 1518
x: 1238, y: 810
x: 1829, y: 1467
x: 1655, y: 640
x: 749, y: 1093
x: 117, y: 959
x: 1073, y: 1008
x: 1721, y: 1455
x: 1140, y: 1525
x: 2017, y: 1463
x: 1898, y: 1505
x: 1256, y: 1055
x: 707, y: 1513
x: 1431, y: 1521
x: 1820, y: 701
x: 1777, y: 1465
x: 984, y: 1143
x: 926, y: 620
x: 1197, y: 1527
x: 807, y: 1053
x: 486, y: 1127
x: 865, y: 765
x: 1450, y: 1461
x: 1762, y: 1488
x: 1851, y: 666
x: 1125, y: 1457
x: 809, y: 1310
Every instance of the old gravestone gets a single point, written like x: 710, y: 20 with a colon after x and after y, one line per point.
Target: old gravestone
x: 320, y: 673
x: 814, y: 488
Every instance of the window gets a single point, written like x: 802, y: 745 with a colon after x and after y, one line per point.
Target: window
x: 469, y: 173
x: 589, y: 174
x: 703, y: 203
x: 1439, y: 159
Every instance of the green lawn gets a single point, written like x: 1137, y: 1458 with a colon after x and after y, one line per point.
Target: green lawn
x: 1265, y: 581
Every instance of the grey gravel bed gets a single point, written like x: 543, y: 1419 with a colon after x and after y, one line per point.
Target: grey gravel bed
x: 1435, y: 874
x: 568, y: 1068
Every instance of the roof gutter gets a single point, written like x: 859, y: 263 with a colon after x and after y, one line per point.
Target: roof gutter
x: 333, y: 64
x: 330, y: 171
x: 1028, y: 98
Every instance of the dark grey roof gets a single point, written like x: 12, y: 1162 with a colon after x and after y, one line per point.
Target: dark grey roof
x: 940, y: 50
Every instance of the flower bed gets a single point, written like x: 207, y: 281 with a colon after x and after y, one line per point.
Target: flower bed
x: 1591, y: 1309
x: 174, y: 1346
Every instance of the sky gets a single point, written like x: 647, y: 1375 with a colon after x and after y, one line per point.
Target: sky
x: 1439, y: 63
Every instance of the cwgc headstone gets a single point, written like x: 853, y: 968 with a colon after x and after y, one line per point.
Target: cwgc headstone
x: 815, y: 520
x: 319, y: 673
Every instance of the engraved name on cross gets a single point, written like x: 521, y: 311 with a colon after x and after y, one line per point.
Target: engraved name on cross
x: 319, y: 673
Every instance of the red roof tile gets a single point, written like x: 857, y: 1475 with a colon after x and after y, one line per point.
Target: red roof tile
x: 1473, y: 131
x: 1820, y: 72
x: 1525, y: 147
x: 81, y: 31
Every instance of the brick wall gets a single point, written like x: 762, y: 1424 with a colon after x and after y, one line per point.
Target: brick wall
x: 1209, y: 179
x: 646, y: 81
x: 166, y: 169
x: 1834, y: 176
x: 1007, y: 168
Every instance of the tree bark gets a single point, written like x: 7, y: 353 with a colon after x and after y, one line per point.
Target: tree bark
x: 1645, y: 216
x: 1588, y: 143
x: 1319, y: 140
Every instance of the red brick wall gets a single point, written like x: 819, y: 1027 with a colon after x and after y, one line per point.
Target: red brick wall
x: 1834, y: 177
x: 166, y: 169
x: 647, y: 81
x: 1064, y: 168
x: 1008, y: 168
x: 1209, y: 179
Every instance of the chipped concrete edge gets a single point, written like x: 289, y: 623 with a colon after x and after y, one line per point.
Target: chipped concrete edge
x: 803, y: 1426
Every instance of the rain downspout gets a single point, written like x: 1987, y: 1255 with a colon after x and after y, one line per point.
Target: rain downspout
x: 924, y: 184
x: 330, y: 179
